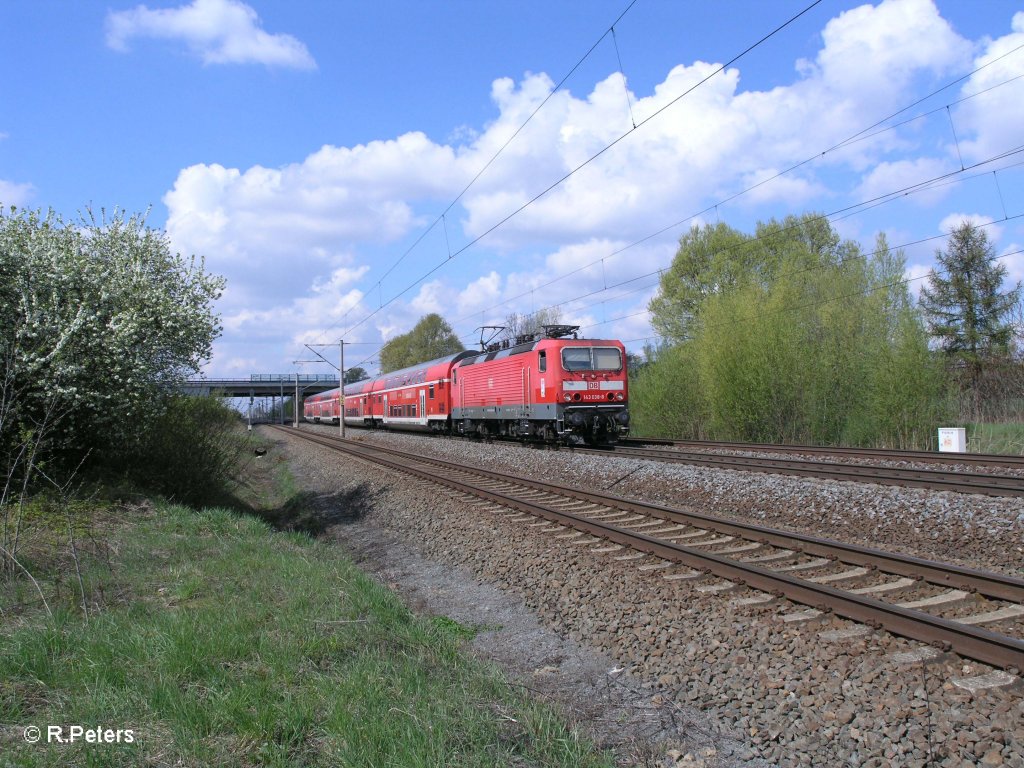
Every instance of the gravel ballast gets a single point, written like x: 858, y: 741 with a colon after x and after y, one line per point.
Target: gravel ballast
x: 728, y: 684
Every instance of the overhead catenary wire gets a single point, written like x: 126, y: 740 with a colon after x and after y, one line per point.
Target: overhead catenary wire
x: 747, y: 318
x: 585, y: 163
x: 833, y: 216
x: 923, y: 186
x: 859, y: 136
x: 502, y: 148
x: 753, y: 316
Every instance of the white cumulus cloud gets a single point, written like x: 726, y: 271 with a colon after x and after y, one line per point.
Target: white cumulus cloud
x: 14, y: 193
x: 217, y: 31
x: 916, y: 276
x: 1013, y: 260
x: 995, y: 91
x: 954, y: 220
x: 275, y: 230
x: 889, y: 177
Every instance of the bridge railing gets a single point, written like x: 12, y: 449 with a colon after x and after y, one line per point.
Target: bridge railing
x: 268, y: 378
x: 306, y: 377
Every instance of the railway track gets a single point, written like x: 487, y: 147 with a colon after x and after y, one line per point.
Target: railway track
x: 879, y: 454
x: 947, y: 606
x: 933, y: 479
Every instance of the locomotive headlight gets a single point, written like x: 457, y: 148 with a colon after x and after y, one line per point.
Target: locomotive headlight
x: 568, y: 397
x: 619, y: 396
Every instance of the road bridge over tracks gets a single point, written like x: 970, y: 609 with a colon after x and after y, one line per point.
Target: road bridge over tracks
x: 276, y: 386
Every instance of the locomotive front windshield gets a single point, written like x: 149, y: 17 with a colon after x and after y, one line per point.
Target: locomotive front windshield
x: 591, y: 359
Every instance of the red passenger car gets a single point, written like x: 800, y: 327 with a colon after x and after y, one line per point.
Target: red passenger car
x: 416, y: 398
x: 321, y: 407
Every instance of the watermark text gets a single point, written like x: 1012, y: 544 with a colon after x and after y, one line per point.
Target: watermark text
x: 78, y: 734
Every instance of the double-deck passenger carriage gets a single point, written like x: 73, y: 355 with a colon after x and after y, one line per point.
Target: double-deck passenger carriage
x: 551, y: 388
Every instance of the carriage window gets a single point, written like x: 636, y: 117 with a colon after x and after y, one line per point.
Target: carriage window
x: 542, y: 361
x: 431, y: 391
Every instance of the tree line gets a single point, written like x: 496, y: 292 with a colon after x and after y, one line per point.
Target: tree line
x: 793, y: 334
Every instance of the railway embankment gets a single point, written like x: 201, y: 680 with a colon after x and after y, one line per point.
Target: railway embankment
x: 215, y: 639
x: 766, y: 683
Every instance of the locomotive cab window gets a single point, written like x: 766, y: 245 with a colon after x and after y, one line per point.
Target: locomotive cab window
x: 576, y: 358
x: 591, y: 359
x: 431, y: 391
x: 542, y: 361
x: 607, y: 359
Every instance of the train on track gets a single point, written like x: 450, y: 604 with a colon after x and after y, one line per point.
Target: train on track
x: 546, y: 387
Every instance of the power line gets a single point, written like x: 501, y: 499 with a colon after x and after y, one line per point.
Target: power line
x: 903, y: 281
x: 834, y: 216
x: 855, y: 137
x: 924, y: 186
x: 502, y: 148
x: 584, y: 164
x: 861, y: 135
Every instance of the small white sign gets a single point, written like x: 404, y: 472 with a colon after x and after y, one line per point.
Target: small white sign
x: 952, y: 439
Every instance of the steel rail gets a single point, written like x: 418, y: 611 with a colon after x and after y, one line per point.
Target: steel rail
x: 987, y: 583
x: 973, y: 642
x: 886, y: 454
x: 958, y: 482
x: 954, y: 482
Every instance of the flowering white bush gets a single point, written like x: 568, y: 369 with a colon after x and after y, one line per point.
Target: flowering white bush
x: 98, y: 319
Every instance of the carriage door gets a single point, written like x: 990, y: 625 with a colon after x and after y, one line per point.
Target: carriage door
x: 384, y: 414
x: 527, y: 395
x: 423, y: 406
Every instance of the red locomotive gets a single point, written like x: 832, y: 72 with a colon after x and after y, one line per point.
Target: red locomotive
x: 551, y: 388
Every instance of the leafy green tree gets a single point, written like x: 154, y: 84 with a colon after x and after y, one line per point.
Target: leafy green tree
x: 904, y: 391
x: 635, y: 363
x: 354, y: 374
x: 807, y: 340
x: 665, y: 397
x: 718, y: 259
x: 99, y: 319
x: 709, y: 260
x: 431, y: 338
x: 968, y: 311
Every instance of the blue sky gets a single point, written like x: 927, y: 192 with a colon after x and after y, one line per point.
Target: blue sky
x: 302, y: 148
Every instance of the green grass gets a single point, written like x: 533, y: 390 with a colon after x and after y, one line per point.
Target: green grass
x: 996, y: 438
x: 225, y: 643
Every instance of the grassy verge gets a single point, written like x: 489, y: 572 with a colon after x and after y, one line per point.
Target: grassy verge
x: 225, y: 643
x: 996, y: 438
